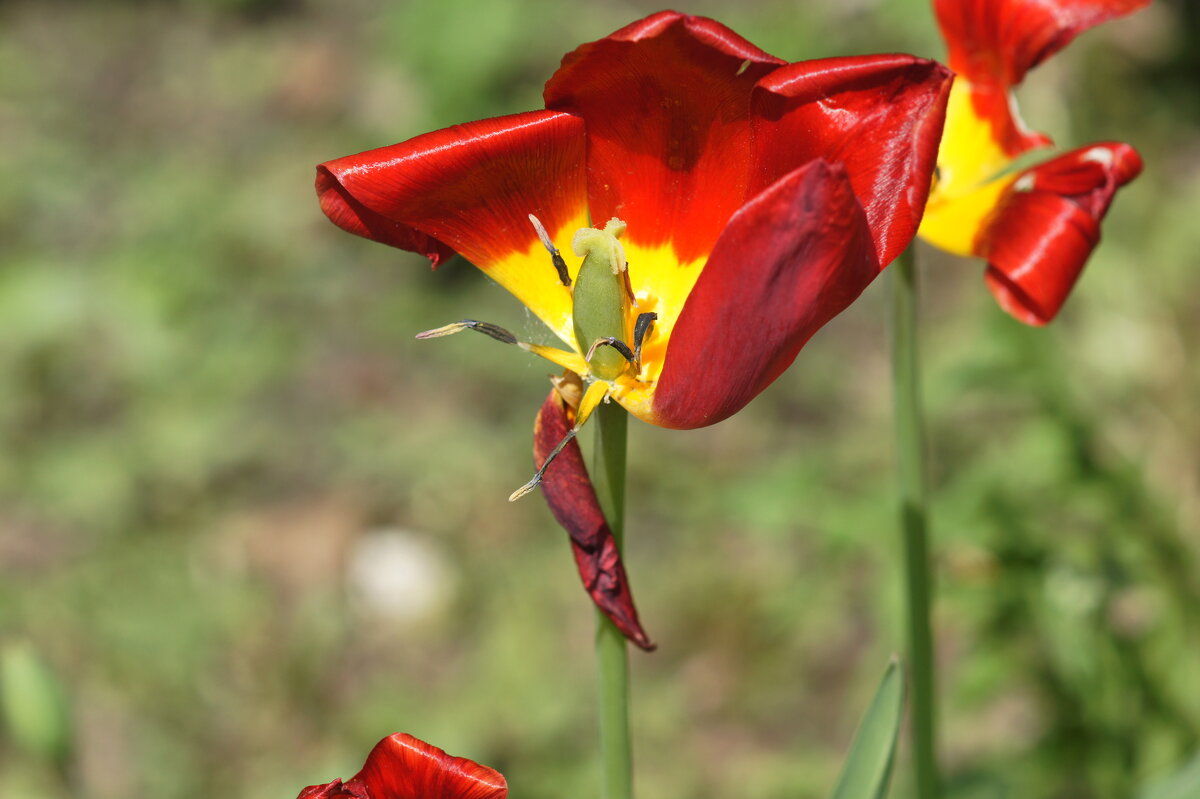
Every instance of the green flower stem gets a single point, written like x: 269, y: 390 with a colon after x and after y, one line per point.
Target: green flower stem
x: 910, y: 450
x: 612, y: 658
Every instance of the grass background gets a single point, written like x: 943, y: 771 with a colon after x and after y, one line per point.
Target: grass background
x: 217, y: 429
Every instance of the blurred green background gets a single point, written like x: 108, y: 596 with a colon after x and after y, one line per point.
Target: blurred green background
x: 249, y: 525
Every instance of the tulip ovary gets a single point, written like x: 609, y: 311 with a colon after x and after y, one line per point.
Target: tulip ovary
x: 600, y: 297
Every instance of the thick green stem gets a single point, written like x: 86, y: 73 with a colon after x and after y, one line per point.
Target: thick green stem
x: 612, y: 658
x: 910, y: 450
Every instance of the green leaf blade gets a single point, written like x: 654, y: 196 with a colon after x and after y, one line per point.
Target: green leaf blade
x: 868, y: 766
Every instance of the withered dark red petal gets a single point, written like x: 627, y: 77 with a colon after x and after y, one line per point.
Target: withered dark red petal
x: 880, y: 116
x: 666, y: 103
x: 572, y: 500
x: 789, y: 261
x: 403, y: 767
x: 1047, y: 224
x: 467, y: 188
x: 993, y: 43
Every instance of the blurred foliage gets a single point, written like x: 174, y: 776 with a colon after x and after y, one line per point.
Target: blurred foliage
x: 212, y: 400
x: 1180, y: 785
x: 33, y: 706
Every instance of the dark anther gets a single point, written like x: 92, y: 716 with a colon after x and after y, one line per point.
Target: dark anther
x: 487, y: 328
x: 495, y: 331
x: 560, y: 265
x: 616, y: 344
x: 629, y: 287
x: 640, y: 328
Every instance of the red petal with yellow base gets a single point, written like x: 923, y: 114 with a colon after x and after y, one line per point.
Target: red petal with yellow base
x: 572, y: 500
x: 403, y: 767
x: 686, y: 121
x: 1047, y: 224
x: 789, y: 261
x: 993, y: 43
x: 471, y: 186
x: 879, y: 116
x: 470, y: 189
x: 666, y: 105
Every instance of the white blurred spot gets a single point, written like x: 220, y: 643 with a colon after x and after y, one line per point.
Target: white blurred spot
x: 400, y: 576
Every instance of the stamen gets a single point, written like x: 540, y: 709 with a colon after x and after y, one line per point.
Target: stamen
x: 537, y: 477
x: 567, y: 360
x: 487, y: 328
x: 595, y: 393
x: 640, y: 328
x: 629, y: 287
x: 615, y: 343
x: 560, y: 265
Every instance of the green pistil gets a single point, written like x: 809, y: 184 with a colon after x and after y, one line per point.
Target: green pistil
x: 599, y: 297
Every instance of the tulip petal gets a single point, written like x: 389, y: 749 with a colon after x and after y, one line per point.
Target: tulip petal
x: 349, y: 214
x: 881, y: 116
x: 572, y: 500
x: 402, y: 766
x: 470, y: 188
x: 1047, y: 224
x: 665, y: 102
x: 993, y: 43
x: 789, y: 261
x: 332, y: 790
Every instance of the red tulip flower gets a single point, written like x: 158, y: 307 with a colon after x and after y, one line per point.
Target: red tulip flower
x: 739, y: 203
x: 403, y: 767
x: 1036, y: 227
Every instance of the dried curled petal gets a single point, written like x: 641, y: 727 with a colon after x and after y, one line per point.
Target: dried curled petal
x: 572, y: 500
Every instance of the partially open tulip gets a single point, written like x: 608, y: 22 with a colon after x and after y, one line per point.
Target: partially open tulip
x: 685, y: 213
x: 1037, y: 226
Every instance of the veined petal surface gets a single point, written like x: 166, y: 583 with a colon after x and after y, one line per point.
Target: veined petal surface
x: 880, y: 116
x: 470, y: 188
x: 789, y: 261
x: 1047, y: 224
x: 403, y: 767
